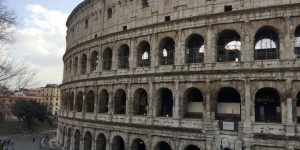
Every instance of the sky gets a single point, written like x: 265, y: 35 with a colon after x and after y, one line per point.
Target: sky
x: 40, y: 36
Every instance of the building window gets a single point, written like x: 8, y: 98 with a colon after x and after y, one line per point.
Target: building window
x: 107, y: 59
x: 195, y: 49
x: 123, y: 56
x: 86, y: 23
x: 143, y: 55
x: 297, y: 42
x: 94, y: 60
x: 109, y: 12
x: 145, y: 3
x: 228, y: 46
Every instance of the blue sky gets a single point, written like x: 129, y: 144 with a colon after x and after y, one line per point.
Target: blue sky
x: 40, y: 36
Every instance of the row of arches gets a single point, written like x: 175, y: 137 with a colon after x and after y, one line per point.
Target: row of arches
x: 117, y: 143
x: 228, y: 48
x: 267, y: 103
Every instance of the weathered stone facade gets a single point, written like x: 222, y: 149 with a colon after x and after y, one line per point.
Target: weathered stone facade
x: 181, y: 75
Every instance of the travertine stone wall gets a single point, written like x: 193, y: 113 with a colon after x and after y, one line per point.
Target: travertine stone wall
x: 90, y: 30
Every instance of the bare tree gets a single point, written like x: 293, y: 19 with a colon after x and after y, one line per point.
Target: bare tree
x: 14, y: 74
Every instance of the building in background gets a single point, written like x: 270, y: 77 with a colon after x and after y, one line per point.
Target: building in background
x: 8, y: 98
x: 51, y: 97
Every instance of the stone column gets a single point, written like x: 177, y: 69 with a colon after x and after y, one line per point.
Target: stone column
x: 287, y: 50
x: 110, y: 102
x: 290, y: 129
x: 151, y: 103
x: 129, y: 102
x: 84, y: 103
x: 94, y: 140
x: 209, y: 48
x: 88, y: 63
x: 179, y: 57
x: 96, y: 103
x: 246, y: 51
x: 176, y: 103
x: 132, y: 53
x: 99, y: 66
x: 75, y: 103
x: 154, y: 51
x: 114, y: 65
x: 247, y: 121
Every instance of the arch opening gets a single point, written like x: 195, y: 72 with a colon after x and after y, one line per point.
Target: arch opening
x: 228, y: 105
x: 101, y: 142
x: 267, y: 105
x: 71, y: 101
x: 83, y: 63
x: 193, y: 100
x: 229, y: 46
x: 90, y: 101
x: 79, y: 102
x: 107, y: 59
x: 297, y: 42
x: 75, y: 65
x: 123, y: 56
x: 167, y: 51
x: 162, y: 146
x: 87, y: 141
x: 69, y: 138
x: 138, y: 144
x: 77, y: 140
x: 165, y: 102
x: 118, y: 143
x: 103, y: 101
x: 298, y: 107
x: 120, y: 102
x: 94, y: 60
x: 195, y: 49
x: 143, y: 56
x: 192, y: 147
x: 140, y: 102
x: 266, y: 44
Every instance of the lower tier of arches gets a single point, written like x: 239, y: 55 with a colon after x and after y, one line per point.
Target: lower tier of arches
x: 77, y: 134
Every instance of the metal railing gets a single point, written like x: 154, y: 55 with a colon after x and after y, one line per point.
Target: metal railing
x: 197, y: 58
x: 106, y: 64
x: 263, y: 54
x: 123, y: 62
x: 168, y: 58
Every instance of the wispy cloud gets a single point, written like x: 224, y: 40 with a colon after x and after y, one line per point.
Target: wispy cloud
x: 40, y: 41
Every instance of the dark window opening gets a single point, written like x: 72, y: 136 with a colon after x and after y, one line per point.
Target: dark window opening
x: 107, y: 59
x: 79, y: 101
x: 165, y: 102
x: 167, y: 51
x: 94, y: 60
x: 228, y: 106
x: 120, y: 102
x: 76, y: 140
x: 71, y: 102
x: 227, y: 8
x: 96, y: 35
x: 193, y: 99
x: 101, y: 142
x: 145, y: 3
x: 192, y: 147
x: 140, y: 102
x: 103, y: 103
x: 195, y: 49
x: 83, y: 63
x: 123, y: 56
x: 143, y: 55
x: 297, y: 42
x: 90, y: 101
x: 118, y: 143
x: 267, y: 106
x: 87, y: 141
x: 266, y: 44
x: 228, y: 46
x: 86, y: 23
x: 124, y: 28
x: 298, y: 107
x: 138, y: 144
x: 109, y: 12
x: 167, y: 18
x: 162, y: 146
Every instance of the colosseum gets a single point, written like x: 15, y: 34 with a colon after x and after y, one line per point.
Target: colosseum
x: 181, y: 75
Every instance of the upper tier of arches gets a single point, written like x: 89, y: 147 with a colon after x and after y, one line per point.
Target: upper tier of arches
x: 229, y: 47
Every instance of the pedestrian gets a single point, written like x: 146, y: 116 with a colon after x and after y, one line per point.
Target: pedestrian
x: 33, y: 139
